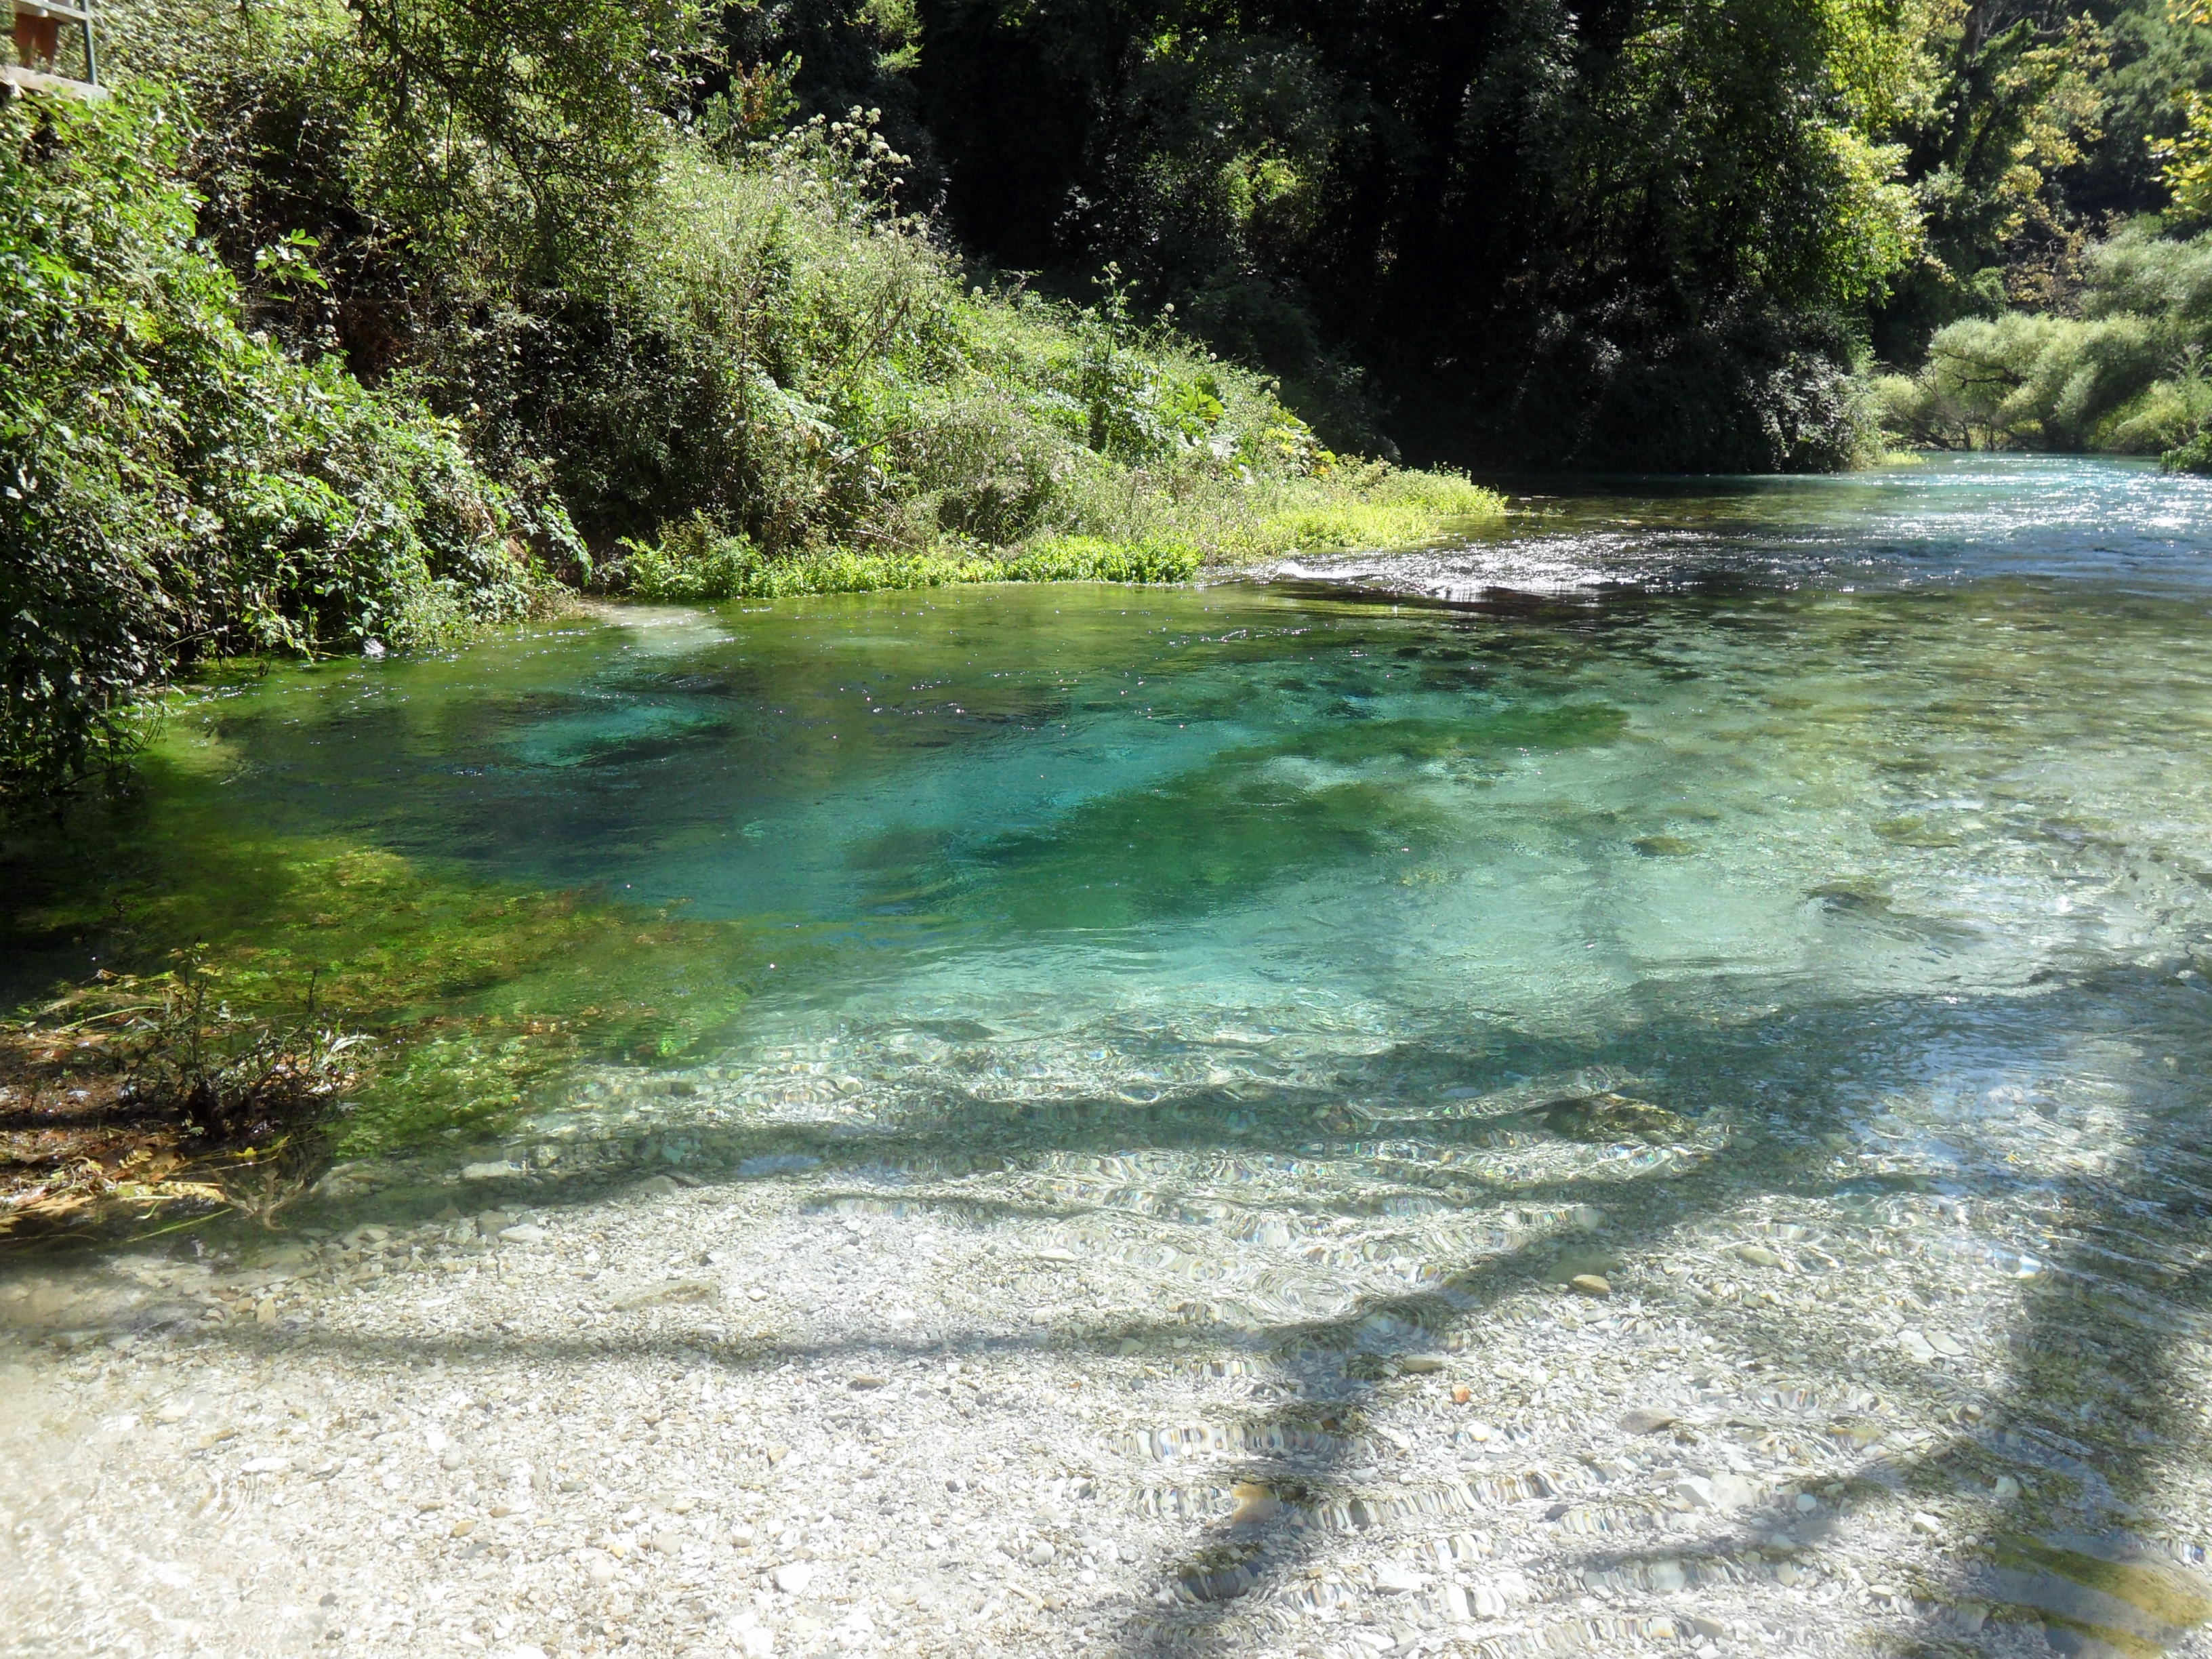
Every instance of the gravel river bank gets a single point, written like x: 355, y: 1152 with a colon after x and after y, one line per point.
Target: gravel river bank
x: 669, y: 1394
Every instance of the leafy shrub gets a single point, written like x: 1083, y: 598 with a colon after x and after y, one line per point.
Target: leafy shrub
x: 2193, y: 456
x: 2027, y: 381
x: 1094, y: 559
x: 802, y: 372
x: 2141, y: 272
x: 230, y: 1076
x: 173, y: 487
x: 438, y: 152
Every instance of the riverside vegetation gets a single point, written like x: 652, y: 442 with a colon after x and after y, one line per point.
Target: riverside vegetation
x: 2125, y: 371
x: 348, y: 328
x: 2085, y: 327
x: 276, y: 383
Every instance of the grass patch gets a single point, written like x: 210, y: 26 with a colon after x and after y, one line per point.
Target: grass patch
x: 1362, y: 507
x: 1238, y: 524
x: 695, y: 562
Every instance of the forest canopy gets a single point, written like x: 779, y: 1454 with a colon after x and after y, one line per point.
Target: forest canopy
x: 1662, y: 233
x: 1517, y: 233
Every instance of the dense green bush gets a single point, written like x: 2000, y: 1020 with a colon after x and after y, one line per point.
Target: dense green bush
x: 173, y: 487
x: 1143, y: 532
x: 2149, y: 274
x: 2193, y: 454
x: 786, y: 354
x: 745, y: 326
x: 2126, y: 376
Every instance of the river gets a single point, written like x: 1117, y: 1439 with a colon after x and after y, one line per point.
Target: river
x: 1783, y: 907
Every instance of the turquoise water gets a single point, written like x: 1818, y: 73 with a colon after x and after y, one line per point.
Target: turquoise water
x: 1680, y: 756
x: 1861, y: 826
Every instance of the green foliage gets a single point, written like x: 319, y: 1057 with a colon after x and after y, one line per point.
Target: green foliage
x: 691, y: 562
x: 2194, y: 455
x: 174, y: 487
x: 2185, y: 158
x: 2155, y: 61
x: 1660, y: 234
x: 2150, y: 275
x: 1149, y: 536
x: 1095, y: 559
x: 2027, y: 381
x: 477, y: 147
x: 590, y: 233
x: 1638, y: 237
x: 807, y: 370
x: 2127, y: 376
x: 518, y: 132
x: 1998, y: 108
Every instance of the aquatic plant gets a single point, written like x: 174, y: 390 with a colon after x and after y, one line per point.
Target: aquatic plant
x: 223, y: 1075
x: 315, y: 974
x: 1147, y: 536
x: 155, y: 1090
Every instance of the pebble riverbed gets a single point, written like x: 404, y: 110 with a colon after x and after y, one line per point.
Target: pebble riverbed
x: 681, y: 1372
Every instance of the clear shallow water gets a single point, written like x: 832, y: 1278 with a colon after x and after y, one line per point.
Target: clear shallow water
x: 1861, y: 823
x: 1947, y: 520
x: 1720, y: 786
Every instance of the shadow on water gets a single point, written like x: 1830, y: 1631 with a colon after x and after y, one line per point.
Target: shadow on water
x: 2095, y: 1395
x: 2095, y: 1391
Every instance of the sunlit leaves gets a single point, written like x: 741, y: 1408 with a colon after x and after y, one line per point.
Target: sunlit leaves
x: 177, y: 488
x: 2185, y: 160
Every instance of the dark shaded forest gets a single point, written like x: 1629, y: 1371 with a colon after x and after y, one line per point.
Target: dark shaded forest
x: 1628, y: 236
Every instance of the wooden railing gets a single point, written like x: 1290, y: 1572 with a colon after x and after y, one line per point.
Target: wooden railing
x: 39, y: 25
